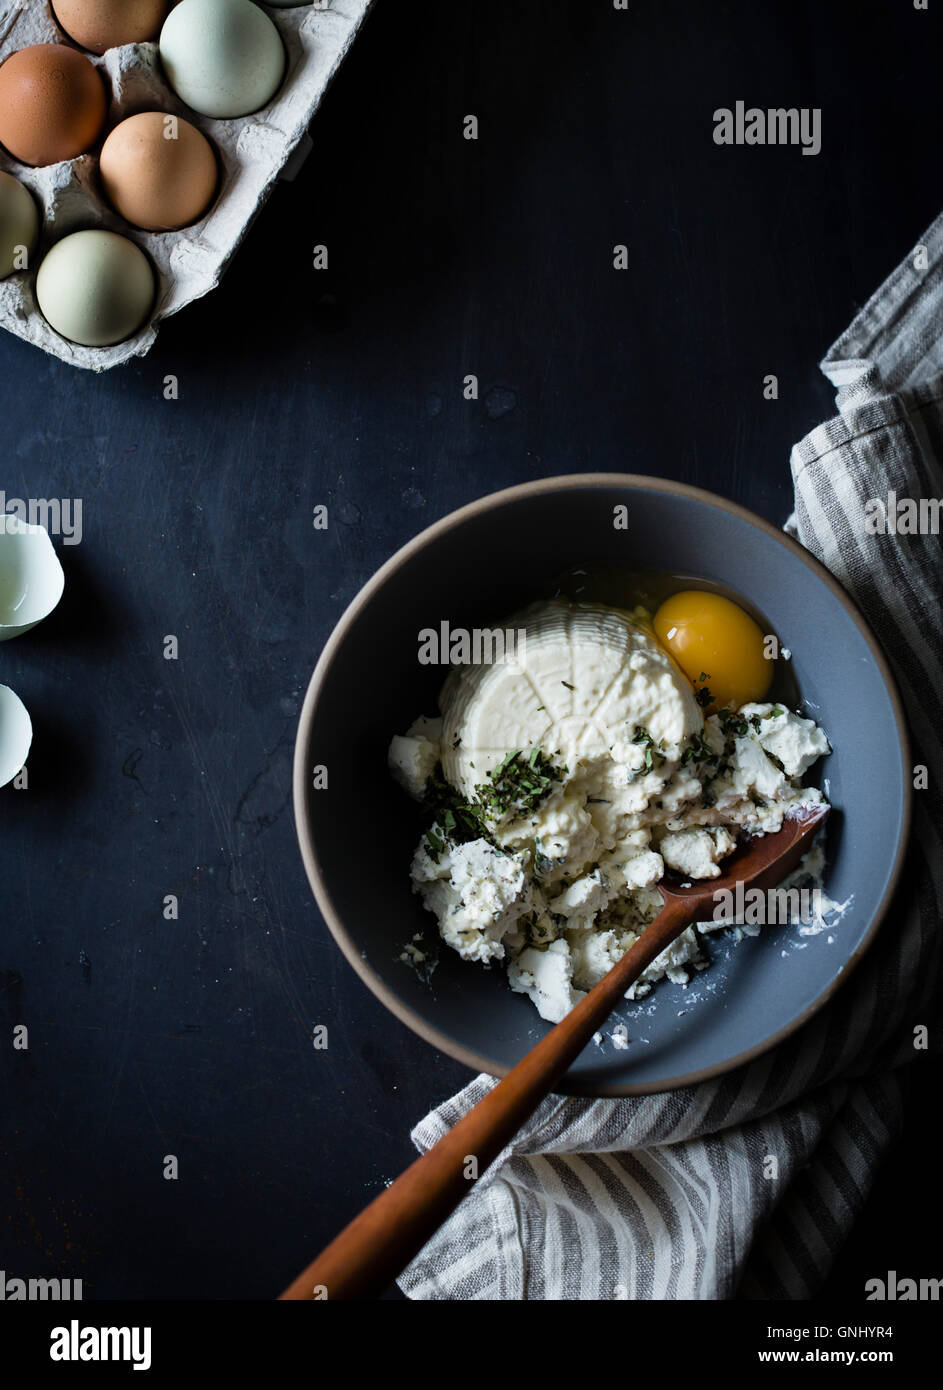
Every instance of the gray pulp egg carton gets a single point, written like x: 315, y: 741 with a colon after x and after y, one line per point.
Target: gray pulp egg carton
x: 252, y: 152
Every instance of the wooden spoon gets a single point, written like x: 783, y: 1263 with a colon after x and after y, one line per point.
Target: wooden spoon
x: 381, y: 1241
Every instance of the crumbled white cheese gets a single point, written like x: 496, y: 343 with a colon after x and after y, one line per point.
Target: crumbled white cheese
x: 547, y: 978
x: 643, y: 870
x: 413, y: 756
x: 796, y: 743
x: 697, y: 853
x: 673, y: 962
x: 584, y: 898
x: 477, y: 893
x: 593, y: 954
x: 753, y: 773
x: 560, y: 832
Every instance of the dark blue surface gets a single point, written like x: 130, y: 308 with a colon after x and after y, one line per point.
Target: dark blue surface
x: 344, y: 387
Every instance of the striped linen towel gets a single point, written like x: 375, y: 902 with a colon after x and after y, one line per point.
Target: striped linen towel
x: 663, y: 1196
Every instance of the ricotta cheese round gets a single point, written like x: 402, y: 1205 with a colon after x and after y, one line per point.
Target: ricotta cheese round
x: 580, y: 682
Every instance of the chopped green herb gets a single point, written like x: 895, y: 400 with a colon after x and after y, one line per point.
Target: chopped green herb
x: 654, y: 753
x: 733, y: 724
x: 542, y: 863
x: 516, y: 787
x: 698, y: 751
x: 518, y: 784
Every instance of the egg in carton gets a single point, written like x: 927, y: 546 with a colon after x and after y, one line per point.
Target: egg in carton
x: 252, y: 152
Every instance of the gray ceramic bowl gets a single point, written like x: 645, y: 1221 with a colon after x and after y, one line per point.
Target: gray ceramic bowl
x: 474, y: 568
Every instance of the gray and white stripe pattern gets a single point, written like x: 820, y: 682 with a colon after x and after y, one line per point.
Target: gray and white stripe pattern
x: 663, y: 1197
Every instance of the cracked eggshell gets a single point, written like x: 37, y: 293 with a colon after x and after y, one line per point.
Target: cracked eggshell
x: 224, y: 58
x: 31, y: 577
x: 16, y: 734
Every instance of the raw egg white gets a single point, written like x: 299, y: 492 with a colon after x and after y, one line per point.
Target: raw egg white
x: 718, y: 646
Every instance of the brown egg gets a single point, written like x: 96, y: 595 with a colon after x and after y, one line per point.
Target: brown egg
x: 52, y: 104
x: 101, y: 24
x: 158, y: 171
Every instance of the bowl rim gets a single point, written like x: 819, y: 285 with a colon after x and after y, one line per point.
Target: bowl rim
x: 490, y: 502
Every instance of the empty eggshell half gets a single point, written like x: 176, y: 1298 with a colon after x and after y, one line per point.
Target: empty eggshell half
x: 95, y: 287
x: 31, y: 577
x: 16, y: 734
x: 158, y: 171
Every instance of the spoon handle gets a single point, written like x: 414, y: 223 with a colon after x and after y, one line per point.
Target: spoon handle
x: 381, y: 1241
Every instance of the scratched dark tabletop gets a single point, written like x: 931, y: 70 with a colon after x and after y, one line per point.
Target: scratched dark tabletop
x: 151, y: 1037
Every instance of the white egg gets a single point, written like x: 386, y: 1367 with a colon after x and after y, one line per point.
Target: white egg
x: 19, y: 225
x: 95, y: 288
x: 222, y: 57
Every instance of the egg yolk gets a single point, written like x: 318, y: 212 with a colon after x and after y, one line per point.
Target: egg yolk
x: 718, y: 646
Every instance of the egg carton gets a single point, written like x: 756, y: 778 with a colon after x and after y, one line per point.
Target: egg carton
x: 252, y: 151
